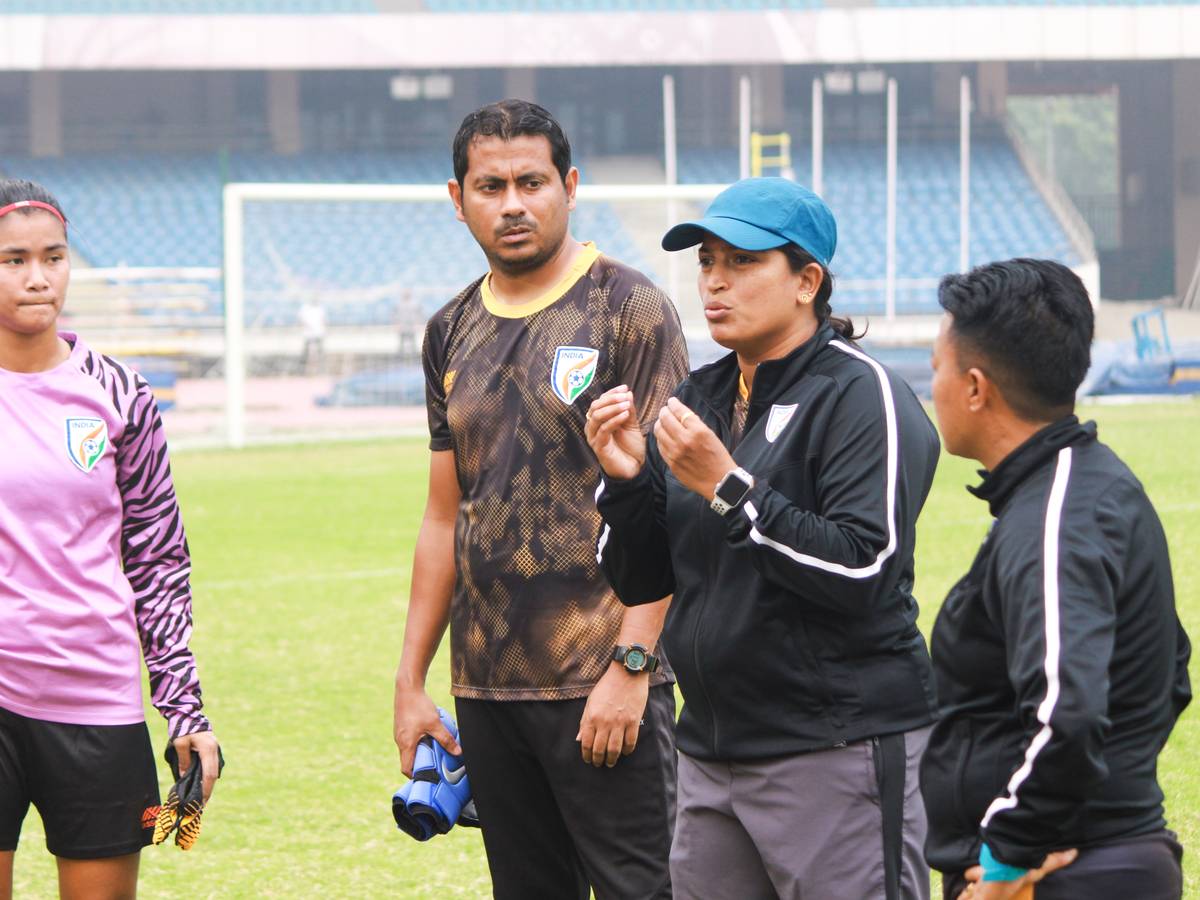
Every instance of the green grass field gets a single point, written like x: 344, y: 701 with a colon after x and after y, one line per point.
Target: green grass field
x: 302, y: 559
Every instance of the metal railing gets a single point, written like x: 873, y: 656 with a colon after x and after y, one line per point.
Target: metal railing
x: 1078, y: 231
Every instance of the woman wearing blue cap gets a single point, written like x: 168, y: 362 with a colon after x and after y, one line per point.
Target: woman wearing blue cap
x: 777, y: 500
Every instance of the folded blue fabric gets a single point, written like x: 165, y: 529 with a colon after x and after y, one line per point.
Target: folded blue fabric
x: 994, y: 870
x: 439, y: 795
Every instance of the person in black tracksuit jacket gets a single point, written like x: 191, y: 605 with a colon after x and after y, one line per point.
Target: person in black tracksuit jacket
x: 819, y: 556
x: 1061, y: 663
x: 792, y: 631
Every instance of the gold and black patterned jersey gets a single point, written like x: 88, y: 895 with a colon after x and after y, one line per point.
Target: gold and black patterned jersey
x: 507, y: 388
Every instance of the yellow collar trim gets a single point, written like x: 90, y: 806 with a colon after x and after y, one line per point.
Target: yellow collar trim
x: 587, y: 256
x: 743, y: 389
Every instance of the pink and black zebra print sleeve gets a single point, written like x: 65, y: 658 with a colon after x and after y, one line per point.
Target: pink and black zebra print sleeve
x: 154, y: 548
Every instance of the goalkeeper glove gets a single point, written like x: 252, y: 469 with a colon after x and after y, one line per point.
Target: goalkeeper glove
x: 439, y: 795
x: 185, y: 801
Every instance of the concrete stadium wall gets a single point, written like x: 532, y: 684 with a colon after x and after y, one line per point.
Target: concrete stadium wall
x: 835, y: 35
x: 1186, y: 172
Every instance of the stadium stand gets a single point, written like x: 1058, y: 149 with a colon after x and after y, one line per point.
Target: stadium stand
x: 567, y: 6
x: 553, y: 6
x: 184, y: 7
x: 162, y: 210
x: 371, y: 7
x: 344, y: 7
x: 910, y: 3
x: 1008, y: 216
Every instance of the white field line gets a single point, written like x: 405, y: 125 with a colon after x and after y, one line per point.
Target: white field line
x: 267, y: 580
x: 369, y: 574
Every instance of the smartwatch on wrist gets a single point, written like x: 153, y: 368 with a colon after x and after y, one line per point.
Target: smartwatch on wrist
x: 636, y: 658
x: 731, y: 490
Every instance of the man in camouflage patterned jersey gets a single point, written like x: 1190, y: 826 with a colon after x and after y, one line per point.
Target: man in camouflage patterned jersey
x: 566, y: 714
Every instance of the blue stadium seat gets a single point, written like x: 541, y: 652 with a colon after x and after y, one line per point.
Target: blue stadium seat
x: 1008, y: 216
x: 342, y: 7
x: 907, y: 3
x: 145, y: 210
x: 515, y: 6
x: 568, y: 6
x: 184, y: 7
x: 148, y: 210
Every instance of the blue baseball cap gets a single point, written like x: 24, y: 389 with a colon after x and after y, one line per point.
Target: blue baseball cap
x: 761, y: 214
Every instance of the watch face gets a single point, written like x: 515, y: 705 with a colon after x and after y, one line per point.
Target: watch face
x: 635, y: 659
x: 732, y: 489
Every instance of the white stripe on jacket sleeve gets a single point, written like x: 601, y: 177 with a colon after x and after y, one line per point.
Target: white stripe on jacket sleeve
x: 603, y: 534
x: 889, y: 415
x: 1058, y: 494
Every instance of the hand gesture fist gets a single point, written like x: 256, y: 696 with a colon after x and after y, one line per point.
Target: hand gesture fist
x: 691, y: 449
x: 613, y: 432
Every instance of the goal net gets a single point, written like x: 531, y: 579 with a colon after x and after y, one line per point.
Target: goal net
x: 327, y: 290
x: 312, y: 328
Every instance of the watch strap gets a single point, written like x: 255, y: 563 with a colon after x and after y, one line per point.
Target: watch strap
x: 722, y: 506
x: 653, y: 664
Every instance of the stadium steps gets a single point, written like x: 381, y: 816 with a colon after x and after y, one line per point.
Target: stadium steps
x: 1009, y: 216
x: 372, y: 260
x: 368, y: 262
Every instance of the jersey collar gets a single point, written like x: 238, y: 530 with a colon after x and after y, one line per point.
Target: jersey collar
x: 587, y: 256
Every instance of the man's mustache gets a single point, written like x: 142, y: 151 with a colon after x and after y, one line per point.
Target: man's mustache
x: 520, y: 222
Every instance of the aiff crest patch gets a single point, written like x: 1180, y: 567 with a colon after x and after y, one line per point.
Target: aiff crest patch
x: 87, y: 439
x: 573, y: 371
x: 778, y: 420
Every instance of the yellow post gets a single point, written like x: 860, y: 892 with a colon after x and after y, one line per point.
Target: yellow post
x: 781, y: 143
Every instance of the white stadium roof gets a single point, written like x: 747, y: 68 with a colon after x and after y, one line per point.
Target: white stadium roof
x: 444, y: 41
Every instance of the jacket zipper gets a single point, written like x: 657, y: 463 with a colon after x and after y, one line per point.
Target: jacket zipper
x: 723, y: 434
x: 712, y: 713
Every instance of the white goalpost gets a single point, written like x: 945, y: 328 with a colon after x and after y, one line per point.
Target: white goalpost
x: 633, y: 216
x: 646, y: 210
x: 645, y: 199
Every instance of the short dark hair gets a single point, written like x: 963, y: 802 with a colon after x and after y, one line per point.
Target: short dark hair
x: 14, y: 190
x: 506, y: 120
x: 798, y: 259
x: 1029, y: 324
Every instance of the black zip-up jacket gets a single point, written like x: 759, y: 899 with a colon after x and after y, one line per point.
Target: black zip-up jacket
x: 1061, y: 663
x: 793, y: 625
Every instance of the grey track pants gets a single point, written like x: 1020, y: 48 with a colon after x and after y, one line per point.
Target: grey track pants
x: 803, y: 827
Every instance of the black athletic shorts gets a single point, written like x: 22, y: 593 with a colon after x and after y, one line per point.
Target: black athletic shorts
x: 94, y: 785
x: 553, y: 826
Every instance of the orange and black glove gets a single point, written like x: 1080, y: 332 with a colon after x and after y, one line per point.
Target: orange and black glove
x: 185, y: 801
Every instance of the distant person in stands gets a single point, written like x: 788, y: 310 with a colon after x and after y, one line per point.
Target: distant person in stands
x: 1061, y: 663
x: 312, y: 329
x: 565, y: 712
x: 410, y: 325
x: 95, y: 576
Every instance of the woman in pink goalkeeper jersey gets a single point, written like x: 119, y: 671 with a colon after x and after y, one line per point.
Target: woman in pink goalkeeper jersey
x: 93, y: 577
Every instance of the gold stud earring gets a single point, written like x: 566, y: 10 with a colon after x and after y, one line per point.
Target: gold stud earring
x: 806, y: 298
